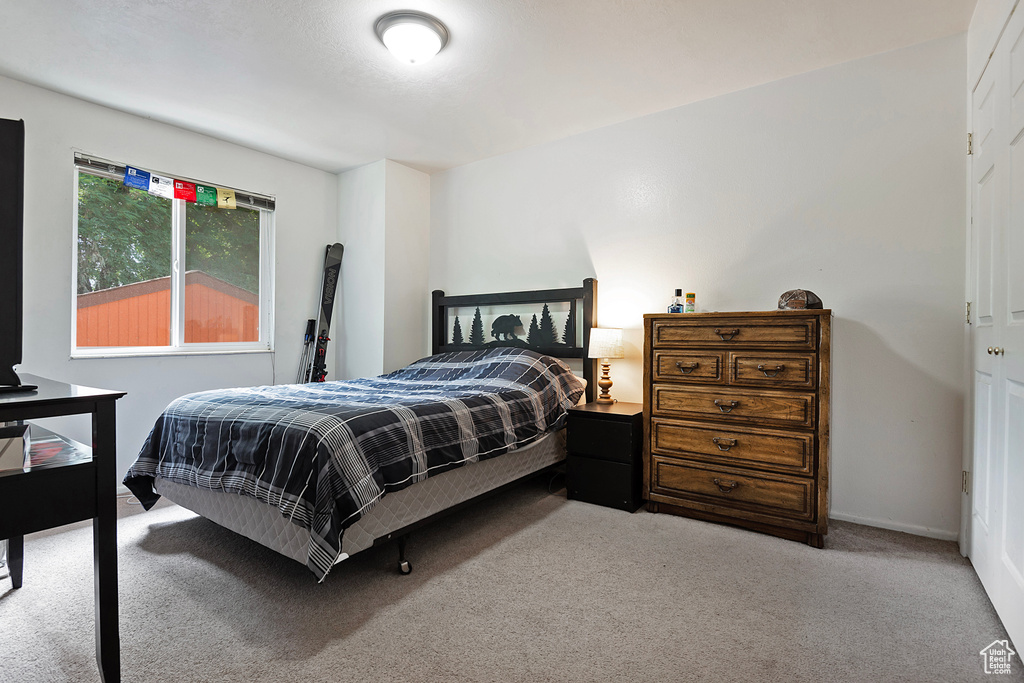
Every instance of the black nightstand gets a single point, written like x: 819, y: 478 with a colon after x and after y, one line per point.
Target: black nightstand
x: 604, y: 465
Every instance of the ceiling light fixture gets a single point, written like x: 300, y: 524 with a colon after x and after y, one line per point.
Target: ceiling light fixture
x: 412, y: 37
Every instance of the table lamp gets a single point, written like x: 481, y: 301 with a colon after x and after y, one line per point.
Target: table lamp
x: 605, y: 344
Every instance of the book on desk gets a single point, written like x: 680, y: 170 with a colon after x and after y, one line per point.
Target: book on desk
x: 14, y: 447
x: 45, y: 448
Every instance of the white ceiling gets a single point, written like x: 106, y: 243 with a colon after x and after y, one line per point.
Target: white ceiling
x: 308, y: 80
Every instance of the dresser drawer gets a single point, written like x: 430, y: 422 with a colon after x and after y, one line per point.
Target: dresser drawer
x: 771, y: 494
x: 767, y: 332
x: 766, y: 369
x: 728, y: 404
x: 704, y: 368
x: 788, y: 452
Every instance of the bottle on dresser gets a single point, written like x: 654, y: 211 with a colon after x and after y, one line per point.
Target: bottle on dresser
x: 677, y: 304
x: 691, y: 303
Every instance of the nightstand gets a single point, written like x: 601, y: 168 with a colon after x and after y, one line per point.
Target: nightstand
x: 604, y: 465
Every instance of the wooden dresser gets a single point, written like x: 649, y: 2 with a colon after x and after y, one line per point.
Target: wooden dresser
x: 736, y: 419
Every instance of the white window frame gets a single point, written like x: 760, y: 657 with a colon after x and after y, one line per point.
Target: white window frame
x: 178, y: 346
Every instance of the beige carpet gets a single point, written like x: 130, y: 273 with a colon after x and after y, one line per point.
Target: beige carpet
x: 524, y: 587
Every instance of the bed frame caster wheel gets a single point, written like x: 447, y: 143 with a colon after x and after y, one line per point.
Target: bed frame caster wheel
x: 404, y: 567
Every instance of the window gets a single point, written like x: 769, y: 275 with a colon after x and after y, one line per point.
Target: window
x: 157, y: 275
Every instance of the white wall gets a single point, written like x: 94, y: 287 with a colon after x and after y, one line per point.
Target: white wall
x: 306, y: 220
x: 407, y: 265
x: 848, y: 181
x: 384, y: 210
x: 360, y: 351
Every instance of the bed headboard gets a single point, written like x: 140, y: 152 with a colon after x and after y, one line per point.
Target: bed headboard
x: 560, y: 323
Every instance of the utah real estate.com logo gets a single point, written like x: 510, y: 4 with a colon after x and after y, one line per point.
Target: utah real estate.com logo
x: 996, y: 657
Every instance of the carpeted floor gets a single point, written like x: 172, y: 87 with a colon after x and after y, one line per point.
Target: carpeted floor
x: 523, y: 587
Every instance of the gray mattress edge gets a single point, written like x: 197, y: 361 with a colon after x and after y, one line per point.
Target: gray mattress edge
x: 267, y: 526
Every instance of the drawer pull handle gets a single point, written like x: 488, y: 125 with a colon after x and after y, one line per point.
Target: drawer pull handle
x: 727, y: 335
x: 724, y: 444
x: 686, y: 368
x: 774, y: 373
x: 725, y: 486
x: 726, y: 406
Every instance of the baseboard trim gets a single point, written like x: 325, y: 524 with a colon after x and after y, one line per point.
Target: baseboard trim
x: 940, y: 534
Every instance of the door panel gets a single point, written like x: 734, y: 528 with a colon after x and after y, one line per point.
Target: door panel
x: 982, y: 476
x: 985, y: 194
x: 1013, y: 493
x: 1012, y: 261
x: 1013, y: 246
x: 1016, y: 76
x: 985, y: 143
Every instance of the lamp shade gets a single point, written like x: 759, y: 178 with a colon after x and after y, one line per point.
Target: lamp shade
x: 605, y: 342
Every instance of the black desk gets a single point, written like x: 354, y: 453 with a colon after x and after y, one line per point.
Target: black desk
x: 50, y: 495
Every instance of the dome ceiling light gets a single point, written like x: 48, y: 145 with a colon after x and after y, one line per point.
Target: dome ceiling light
x: 412, y: 37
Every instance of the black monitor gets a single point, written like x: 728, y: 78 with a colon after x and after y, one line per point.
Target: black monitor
x: 12, y: 193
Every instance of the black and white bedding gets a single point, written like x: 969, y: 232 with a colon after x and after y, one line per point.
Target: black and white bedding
x: 325, y: 453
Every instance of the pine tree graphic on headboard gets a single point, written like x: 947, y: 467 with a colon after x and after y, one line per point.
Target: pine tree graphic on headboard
x: 476, y: 332
x: 533, y: 337
x: 546, y: 335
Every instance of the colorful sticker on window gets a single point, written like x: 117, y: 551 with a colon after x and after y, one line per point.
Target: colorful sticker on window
x: 183, y: 190
x: 206, y: 195
x: 226, y: 198
x: 137, y: 178
x: 161, y: 186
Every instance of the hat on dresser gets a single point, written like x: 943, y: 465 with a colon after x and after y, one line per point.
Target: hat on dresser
x: 798, y: 299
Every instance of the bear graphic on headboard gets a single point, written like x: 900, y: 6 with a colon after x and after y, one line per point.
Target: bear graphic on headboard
x: 504, y: 327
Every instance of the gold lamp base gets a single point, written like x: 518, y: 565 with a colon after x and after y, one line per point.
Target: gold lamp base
x: 605, y: 383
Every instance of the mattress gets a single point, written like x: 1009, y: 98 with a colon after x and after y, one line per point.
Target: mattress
x: 266, y: 525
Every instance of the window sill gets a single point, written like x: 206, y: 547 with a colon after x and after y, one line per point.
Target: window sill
x: 79, y: 354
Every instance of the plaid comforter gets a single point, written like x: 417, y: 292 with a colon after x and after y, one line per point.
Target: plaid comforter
x: 325, y: 453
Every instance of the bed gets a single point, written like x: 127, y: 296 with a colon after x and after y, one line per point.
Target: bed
x: 321, y: 471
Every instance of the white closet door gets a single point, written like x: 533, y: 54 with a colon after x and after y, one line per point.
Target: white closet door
x: 987, y: 200
x: 997, y: 336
